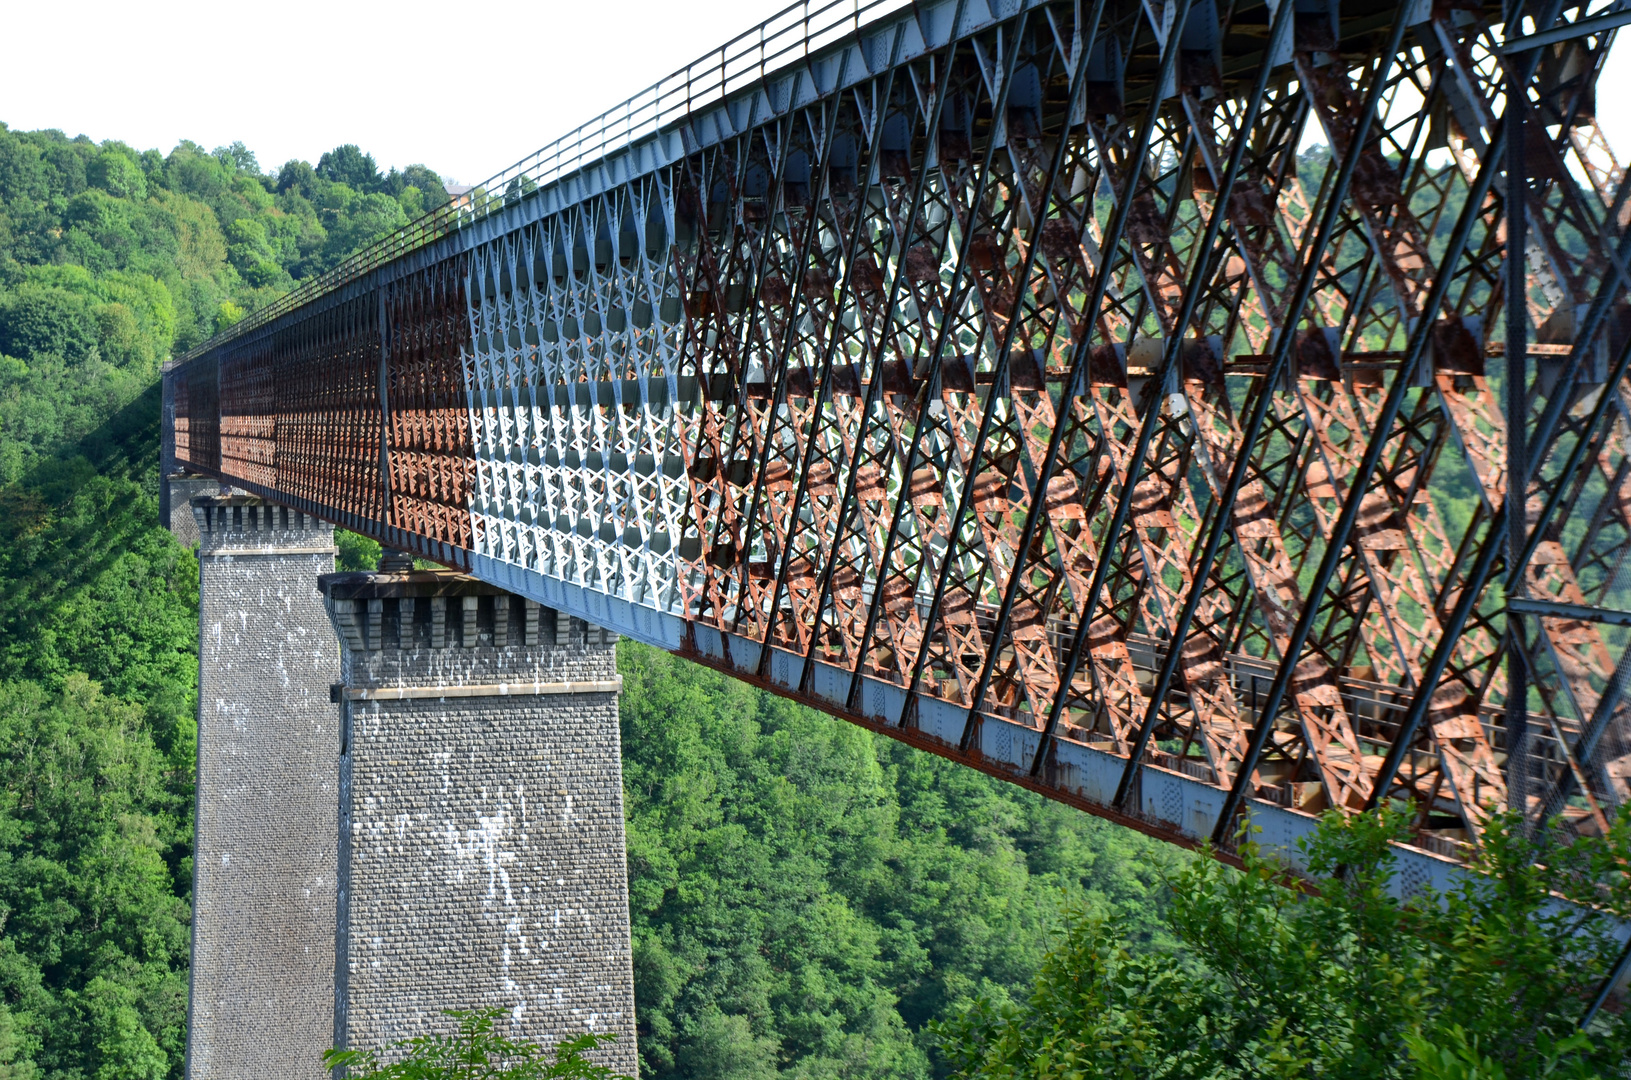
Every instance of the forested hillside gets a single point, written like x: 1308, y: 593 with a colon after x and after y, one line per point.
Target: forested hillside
x: 805, y: 898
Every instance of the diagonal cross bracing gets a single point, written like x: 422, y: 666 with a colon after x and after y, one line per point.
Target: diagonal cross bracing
x: 1001, y: 377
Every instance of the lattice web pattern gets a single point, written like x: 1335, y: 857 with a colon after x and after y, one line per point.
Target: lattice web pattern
x: 1001, y: 376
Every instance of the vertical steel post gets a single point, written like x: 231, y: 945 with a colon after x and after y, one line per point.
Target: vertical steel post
x: 384, y: 419
x: 1517, y: 422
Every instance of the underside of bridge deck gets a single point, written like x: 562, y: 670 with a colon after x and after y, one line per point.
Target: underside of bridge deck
x: 1023, y: 380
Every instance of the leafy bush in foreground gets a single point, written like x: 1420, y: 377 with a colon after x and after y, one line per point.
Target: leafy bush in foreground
x: 1487, y: 980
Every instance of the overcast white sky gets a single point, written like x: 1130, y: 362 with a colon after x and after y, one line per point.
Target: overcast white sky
x: 466, y: 89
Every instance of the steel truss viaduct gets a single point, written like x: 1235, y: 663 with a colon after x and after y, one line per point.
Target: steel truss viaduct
x: 998, y: 375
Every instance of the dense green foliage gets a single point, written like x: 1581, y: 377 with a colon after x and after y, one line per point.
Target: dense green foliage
x: 1487, y: 981
x: 111, y: 258
x: 98, y: 609
x: 807, y: 898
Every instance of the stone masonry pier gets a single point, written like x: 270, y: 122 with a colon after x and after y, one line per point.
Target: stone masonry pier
x: 264, y: 863
x: 481, y: 849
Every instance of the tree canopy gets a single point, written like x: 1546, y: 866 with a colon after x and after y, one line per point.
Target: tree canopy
x: 1344, y: 979
x: 808, y: 898
x: 191, y: 230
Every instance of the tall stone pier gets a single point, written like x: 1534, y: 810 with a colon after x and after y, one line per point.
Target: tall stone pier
x: 262, y: 1000
x: 481, y: 815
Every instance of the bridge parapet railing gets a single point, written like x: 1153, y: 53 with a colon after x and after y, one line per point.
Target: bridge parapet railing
x: 783, y: 40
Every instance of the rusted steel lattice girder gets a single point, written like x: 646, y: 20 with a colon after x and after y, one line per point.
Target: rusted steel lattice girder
x: 1001, y: 376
